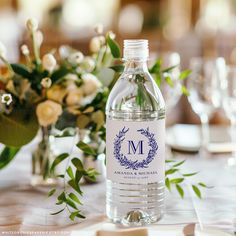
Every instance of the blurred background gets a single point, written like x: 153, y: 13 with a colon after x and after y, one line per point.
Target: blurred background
x: 191, y: 28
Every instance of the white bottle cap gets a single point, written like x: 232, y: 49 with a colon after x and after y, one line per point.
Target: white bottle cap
x: 136, y: 49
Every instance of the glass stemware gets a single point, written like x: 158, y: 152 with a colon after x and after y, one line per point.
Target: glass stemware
x: 205, y: 93
x: 229, y: 105
x: 171, y: 94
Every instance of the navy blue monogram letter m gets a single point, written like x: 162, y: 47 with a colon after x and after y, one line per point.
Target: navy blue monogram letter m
x: 134, y: 148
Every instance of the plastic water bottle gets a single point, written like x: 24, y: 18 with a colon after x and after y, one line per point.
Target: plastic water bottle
x: 135, y: 142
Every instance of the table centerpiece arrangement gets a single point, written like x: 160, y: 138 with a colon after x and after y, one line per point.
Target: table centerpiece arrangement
x: 63, y: 93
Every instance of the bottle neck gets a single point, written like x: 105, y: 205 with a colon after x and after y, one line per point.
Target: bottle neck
x: 135, y: 66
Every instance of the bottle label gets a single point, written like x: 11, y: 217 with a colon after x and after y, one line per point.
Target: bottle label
x: 135, y: 151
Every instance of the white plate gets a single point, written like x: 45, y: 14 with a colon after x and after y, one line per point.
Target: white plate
x: 188, y: 138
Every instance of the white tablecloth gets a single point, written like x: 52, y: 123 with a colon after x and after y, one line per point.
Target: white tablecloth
x: 27, y: 209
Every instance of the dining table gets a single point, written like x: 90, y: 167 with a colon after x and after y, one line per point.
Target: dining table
x: 26, y: 209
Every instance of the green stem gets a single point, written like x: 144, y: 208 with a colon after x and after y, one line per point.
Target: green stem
x: 35, y: 49
x: 46, y: 154
x: 104, y: 54
x: 100, y: 57
x: 28, y: 61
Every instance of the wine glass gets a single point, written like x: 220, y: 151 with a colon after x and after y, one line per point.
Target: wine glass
x: 229, y: 105
x: 205, y: 94
x: 171, y: 94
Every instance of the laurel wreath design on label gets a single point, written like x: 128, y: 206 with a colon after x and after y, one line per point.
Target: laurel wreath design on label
x: 127, y: 163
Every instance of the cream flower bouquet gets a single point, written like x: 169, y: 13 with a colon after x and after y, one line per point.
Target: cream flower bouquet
x: 55, y: 93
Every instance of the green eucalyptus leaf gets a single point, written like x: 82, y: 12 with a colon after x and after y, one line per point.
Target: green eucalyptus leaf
x: 80, y: 216
x: 73, y: 215
x: 169, y: 81
x: 56, y: 213
x: 60, y: 73
x: 78, y: 175
x: 91, y: 175
x: 156, y: 68
x: 158, y: 80
x: 58, y: 160
x: 60, y: 176
x: 19, y: 127
x: 180, y: 190
x: 184, y: 90
x: 176, y: 181
x: 190, y: 174
x: 171, y: 171
x: 7, y: 155
x: 169, y: 161
x: 21, y: 70
x: 71, y: 203
x: 114, y: 47
x: 76, y: 214
x: 86, y: 148
x: 75, y: 198
x: 179, y: 163
x: 69, y: 171
x: 167, y: 183
x: 62, y: 197
x: 197, y: 191
x: 169, y: 69
x: 51, y: 192
x: 117, y: 68
x: 184, y: 74
x: 78, y: 164
x: 59, y: 202
x: 75, y: 186
x: 204, y: 185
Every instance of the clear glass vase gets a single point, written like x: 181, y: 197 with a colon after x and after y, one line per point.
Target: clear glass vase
x: 90, y: 161
x: 42, y: 158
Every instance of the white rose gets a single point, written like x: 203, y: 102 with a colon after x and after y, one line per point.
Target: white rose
x: 56, y: 93
x: 76, y: 57
x: 98, y: 28
x: 90, y: 84
x: 88, y: 64
x: 49, y: 62
x: 48, y: 112
x: 95, y: 44
x: 72, y: 77
x: 74, y: 97
x: 73, y: 110
x: 102, y: 40
x: 3, y: 50
x: 32, y: 24
x: 64, y: 51
x: 70, y: 85
x: 46, y: 82
x: 25, y: 50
